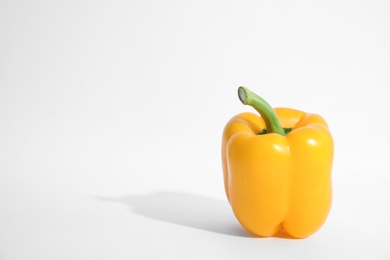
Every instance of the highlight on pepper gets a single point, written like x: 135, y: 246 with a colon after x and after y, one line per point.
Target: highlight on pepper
x: 277, y: 168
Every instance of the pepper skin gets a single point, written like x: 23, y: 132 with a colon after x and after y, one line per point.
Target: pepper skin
x: 276, y: 181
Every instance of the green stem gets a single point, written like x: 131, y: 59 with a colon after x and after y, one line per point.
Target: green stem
x: 272, y: 123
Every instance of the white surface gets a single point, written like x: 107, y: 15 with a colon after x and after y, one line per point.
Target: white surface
x: 111, y: 114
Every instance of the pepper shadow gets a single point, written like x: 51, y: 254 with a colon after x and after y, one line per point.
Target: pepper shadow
x: 186, y: 210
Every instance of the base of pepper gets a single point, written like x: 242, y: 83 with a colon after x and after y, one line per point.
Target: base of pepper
x: 283, y: 234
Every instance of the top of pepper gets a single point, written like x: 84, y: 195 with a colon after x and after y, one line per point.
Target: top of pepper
x: 271, y: 120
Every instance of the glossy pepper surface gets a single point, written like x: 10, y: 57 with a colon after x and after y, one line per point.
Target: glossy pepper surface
x: 275, y: 180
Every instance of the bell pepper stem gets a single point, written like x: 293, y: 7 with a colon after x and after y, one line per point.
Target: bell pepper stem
x: 271, y: 120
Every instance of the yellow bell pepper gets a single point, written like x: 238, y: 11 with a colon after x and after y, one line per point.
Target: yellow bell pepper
x: 277, y: 169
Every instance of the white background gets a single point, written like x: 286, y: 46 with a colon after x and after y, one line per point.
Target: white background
x: 111, y: 115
